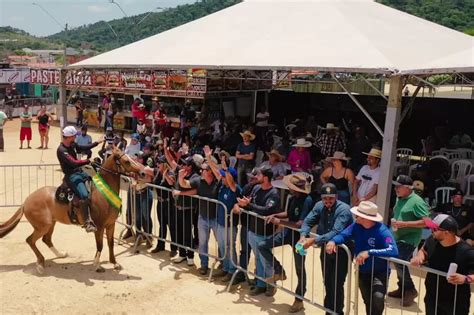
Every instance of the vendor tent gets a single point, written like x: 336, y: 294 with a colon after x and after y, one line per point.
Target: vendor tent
x: 323, y: 35
x: 334, y: 35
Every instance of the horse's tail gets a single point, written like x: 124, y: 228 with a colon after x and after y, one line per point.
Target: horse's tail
x: 8, y: 226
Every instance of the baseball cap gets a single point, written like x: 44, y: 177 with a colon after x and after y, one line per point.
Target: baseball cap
x: 403, y: 180
x: 136, y: 136
x: 443, y: 222
x: 328, y: 190
x: 457, y: 192
x: 69, y: 131
x: 231, y: 170
x: 160, y: 160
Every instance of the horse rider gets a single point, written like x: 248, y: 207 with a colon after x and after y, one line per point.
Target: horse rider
x: 73, y: 173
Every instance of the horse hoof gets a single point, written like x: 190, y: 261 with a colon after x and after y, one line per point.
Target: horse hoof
x: 40, y: 269
x: 117, y: 267
x: 100, y: 269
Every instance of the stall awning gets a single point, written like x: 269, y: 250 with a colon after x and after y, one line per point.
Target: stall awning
x: 322, y: 35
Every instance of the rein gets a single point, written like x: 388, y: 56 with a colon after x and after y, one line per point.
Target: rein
x: 117, y: 163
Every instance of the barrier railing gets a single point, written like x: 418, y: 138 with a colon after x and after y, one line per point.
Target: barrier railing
x: 421, y: 271
x: 280, y: 236
x: 153, y: 211
x: 18, y: 181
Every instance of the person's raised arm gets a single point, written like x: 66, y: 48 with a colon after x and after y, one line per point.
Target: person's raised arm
x: 169, y: 158
x: 184, y: 183
x: 214, y: 168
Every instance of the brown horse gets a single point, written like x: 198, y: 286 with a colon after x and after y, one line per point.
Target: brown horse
x: 43, y: 211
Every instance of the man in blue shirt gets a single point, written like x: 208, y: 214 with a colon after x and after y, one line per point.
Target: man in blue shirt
x: 298, y: 208
x: 372, y: 240
x: 332, y: 216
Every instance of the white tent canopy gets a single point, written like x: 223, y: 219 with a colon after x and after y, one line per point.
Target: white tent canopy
x: 324, y: 35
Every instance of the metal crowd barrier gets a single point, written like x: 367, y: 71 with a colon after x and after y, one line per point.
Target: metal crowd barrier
x: 18, y: 181
x: 282, y: 253
x: 153, y: 211
x: 413, y: 269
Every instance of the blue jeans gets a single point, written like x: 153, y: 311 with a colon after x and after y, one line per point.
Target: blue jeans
x: 204, y: 227
x: 143, y: 203
x: 344, y: 196
x: 285, y: 237
x: 244, y: 256
x: 77, y: 182
x: 405, y: 252
x: 264, y: 267
x: 228, y: 266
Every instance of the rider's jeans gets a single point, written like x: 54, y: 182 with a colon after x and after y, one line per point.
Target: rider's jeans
x: 77, y: 181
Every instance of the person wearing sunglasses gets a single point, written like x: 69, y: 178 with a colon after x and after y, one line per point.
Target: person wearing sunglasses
x: 451, y: 294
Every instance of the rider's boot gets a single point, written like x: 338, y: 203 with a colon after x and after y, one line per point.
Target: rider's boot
x: 88, y: 223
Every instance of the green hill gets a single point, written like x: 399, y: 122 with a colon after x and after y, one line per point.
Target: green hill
x: 12, y: 39
x: 455, y: 14
x: 102, y: 38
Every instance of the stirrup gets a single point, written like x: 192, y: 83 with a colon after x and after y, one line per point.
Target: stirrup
x: 89, y: 226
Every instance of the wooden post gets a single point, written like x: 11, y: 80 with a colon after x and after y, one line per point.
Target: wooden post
x: 389, y: 148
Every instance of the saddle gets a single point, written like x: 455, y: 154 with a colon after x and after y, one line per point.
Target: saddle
x: 65, y: 195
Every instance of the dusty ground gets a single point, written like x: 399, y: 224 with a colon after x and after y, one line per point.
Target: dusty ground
x: 148, y: 284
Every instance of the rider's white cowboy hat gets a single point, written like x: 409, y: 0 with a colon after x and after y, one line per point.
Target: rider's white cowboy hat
x: 69, y: 131
x: 367, y: 210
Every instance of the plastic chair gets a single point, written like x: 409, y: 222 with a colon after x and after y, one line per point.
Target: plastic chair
x: 445, y: 193
x: 469, y: 193
x: 459, y: 170
x: 454, y: 156
x: 404, y: 156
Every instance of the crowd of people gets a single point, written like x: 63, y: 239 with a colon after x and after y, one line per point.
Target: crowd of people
x: 333, y: 181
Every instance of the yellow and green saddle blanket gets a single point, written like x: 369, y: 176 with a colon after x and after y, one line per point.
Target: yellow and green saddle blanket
x: 111, y: 196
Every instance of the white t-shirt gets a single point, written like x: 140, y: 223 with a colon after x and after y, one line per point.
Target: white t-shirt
x: 3, y: 117
x: 132, y: 149
x: 368, y: 178
x: 264, y: 119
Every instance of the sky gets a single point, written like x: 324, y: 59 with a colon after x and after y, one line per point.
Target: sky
x: 31, y: 18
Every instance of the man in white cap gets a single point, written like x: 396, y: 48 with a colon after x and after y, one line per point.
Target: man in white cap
x: 73, y: 173
x: 367, y: 180
x: 372, y: 240
x: 451, y: 294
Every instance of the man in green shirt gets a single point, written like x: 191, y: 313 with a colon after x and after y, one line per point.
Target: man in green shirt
x: 409, y: 215
x: 25, y: 132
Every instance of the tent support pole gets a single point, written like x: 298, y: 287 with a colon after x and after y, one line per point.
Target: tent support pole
x: 362, y: 109
x: 375, y: 89
x: 410, y: 104
x: 62, y: 99
x: 389, y: 148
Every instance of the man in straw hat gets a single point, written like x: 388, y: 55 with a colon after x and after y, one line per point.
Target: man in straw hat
x: 372, y: 240
x: 451, y: 294
x: 275, y: 162
x: 298, y: 209
x: 331, y: 141
x: 331, y: 216
x: 245, y: 155
x: 409, y: 215
x: 367, y: 180
x: 299, y: 158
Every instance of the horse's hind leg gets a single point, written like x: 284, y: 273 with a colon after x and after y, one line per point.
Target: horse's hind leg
x: 99, y: 242
x: 31, y: 240
x: 47, y: 241
x: 109, y: 231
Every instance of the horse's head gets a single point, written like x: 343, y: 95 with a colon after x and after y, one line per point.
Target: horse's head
x: 124, y: 164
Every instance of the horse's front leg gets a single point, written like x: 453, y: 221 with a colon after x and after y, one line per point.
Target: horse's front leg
x: 99, y: 242
x: 109, y: 231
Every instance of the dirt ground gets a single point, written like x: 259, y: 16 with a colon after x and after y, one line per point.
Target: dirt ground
x: 148, y: 283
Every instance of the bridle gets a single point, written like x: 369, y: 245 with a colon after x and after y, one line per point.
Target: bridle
x: 119, y: 166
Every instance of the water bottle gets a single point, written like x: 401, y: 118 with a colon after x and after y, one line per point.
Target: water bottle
x: 300, y: 249
x: 394, y: 228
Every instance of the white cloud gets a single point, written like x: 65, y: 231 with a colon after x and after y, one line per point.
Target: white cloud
x: 15, y: 18
x: 97, y: 8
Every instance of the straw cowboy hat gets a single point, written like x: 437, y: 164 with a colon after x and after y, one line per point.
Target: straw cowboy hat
x: 331, y: 126
x: 276, y: 154
x: 298, y: 182
x: 367, y: 210
x: 338, y: 155
x: 302, y: 143
x: 374, y: 152
x: 248, y: 134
